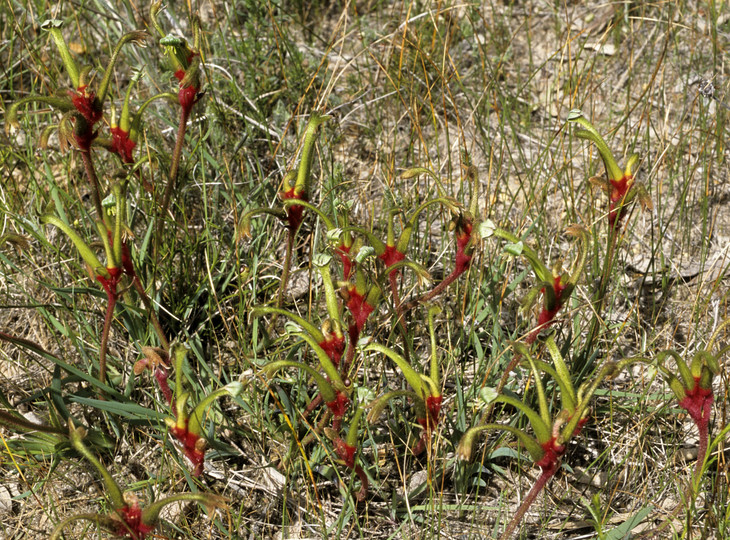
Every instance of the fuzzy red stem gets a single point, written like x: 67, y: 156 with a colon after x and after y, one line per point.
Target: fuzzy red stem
x: 111, y: 303
x: 701, y: 450
x: 153, y: 317
x: 527, y: 501
x: 437, y: 290
x: 363, y: 492
x: 93, y: 182
x: 174, y: 167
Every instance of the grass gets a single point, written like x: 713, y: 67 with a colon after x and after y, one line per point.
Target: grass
x: 411, y: 84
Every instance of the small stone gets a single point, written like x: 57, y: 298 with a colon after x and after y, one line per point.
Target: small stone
x: 6, y: 501
x: 598, y: 479
x: 173, y: 511
x: 417, y: 480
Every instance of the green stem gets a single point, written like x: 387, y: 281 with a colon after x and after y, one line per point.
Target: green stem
x: 54, y: 28
x: 305, y: 166
x: 136, y: 36
x: 305, y: 324
x: 150, y: 515
x: 195, y: 421
x: 98, y: 519
x: 84, y: 250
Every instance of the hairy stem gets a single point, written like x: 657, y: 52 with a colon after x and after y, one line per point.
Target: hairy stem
x: 108, y: 317
x: 93, y: 182
x: 363, y: 492
x: 353, y: 335
x: 433, y: 293
x: 527, y: 502
x: 318, y: 428
x: 704, y: 429
x: 151, y: 312
x: 174, y: 168
x: 393, y: 280
x: 290, y: 236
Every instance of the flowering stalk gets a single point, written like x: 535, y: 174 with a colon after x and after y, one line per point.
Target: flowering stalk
x: 361, y: 299
x: 693, y: 389
x: 619, y: 185
x: 108, y: 276
x: 82, y: 107
x: 346, y: 451
x: 554, y: 285
x: 187, y: 427
x: 112, y: 230
x: 549, y: 444
x: 127, y: 519
x: 393, y: 251
x: 125, y: 131
x: 331, y: 386
x: 426, y: 389
x: 186, y: 65
x: 622, y: 190
x: 294, y: 194
x: 463, y: 226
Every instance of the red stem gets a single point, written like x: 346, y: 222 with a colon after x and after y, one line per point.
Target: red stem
x: 174, y: 167
x: 316, y: 402
x: 437, y: 290
x: 393, y: 279
x: 287, y: 268
x: 111, y: 303
x: 527, y: 501
x: 354, y: 335
x: 153, y: 317
x: 363, y: 492
x: 704, y: 429
x: 93, y: 182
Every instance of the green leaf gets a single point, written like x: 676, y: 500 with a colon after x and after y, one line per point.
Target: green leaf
x: 131, y: 411
x: 624, y: 530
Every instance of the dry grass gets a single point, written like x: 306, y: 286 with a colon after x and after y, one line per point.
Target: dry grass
x: 407, y: 84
